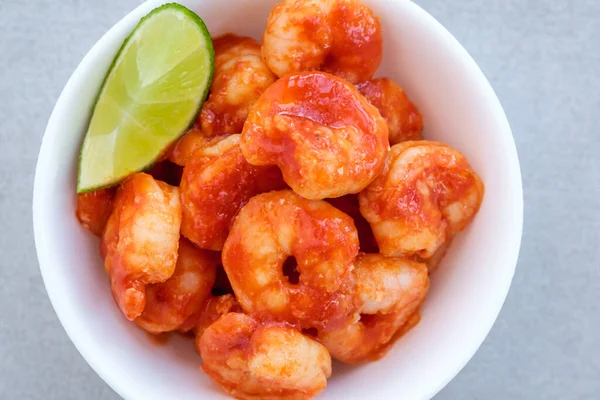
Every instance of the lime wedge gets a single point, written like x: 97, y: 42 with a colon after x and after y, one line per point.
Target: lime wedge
x: 151, y: 95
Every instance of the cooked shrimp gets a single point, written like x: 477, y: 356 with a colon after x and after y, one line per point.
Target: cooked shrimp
x: 426, y: 193
x: 278, y: 229
x: 216, y: 183
x: 349, y: 205
x: 196, y: 142
x: 320, y: 131
x: 240, y: 78
x: 389, y: 293
x: 215, y: 308
x: 257, y: 361
x: 342, y: 37
x: 221, y: 301
x: 141, y: 240
x: 94, y: 208
x: 404, y: 121
x: 193, y: 141
x: 185, y: 147
x: 171, y: 303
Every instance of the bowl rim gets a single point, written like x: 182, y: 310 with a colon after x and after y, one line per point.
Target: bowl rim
x: 67, y: 321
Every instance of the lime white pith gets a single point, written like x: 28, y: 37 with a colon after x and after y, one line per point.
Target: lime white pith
x: 151, y: 95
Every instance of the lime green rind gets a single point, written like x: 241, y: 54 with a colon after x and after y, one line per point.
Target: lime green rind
x: 167, y: 138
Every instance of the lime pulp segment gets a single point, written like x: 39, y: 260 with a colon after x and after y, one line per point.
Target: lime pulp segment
x: 150, y: 96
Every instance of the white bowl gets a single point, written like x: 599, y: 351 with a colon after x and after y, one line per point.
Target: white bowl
x: 459, y: 108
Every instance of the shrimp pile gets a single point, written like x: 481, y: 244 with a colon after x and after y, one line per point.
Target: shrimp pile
x: 298, y: 220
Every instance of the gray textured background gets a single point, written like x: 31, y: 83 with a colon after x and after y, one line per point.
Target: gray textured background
x: 543, y: 59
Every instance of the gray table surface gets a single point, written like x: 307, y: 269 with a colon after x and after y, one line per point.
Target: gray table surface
x: 542, y: 58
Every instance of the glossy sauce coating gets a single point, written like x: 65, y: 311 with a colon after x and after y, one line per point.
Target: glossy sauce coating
x: 94, y: 208
x: 240, y: 78
x: 275, y: 226
x: 171, y: 303
x: 141, y: 240
x: 263, y: 361
x: 342, y: 37
x: 426, y: 193
x: 325, y: 137
x: 404, y: 121
x: 389, y: 293
x: 214, y: 187
x: 357, y: 46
